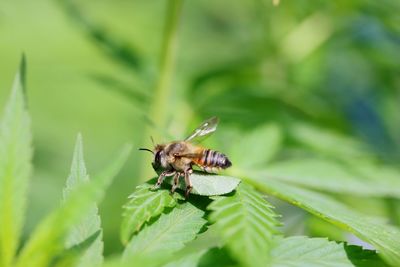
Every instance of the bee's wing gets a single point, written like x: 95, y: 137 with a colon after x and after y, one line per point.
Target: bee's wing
x: 204, y: 130
x: 189, y: 155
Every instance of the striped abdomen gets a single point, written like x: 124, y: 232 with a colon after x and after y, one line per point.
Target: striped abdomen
x: 212, y: 160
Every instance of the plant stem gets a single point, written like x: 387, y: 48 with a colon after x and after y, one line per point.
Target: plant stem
x: 159, y: 107
x: 163, y: 90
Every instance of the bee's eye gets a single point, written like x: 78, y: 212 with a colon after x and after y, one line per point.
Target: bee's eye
x: 157, y: 161
x: 157, y: 157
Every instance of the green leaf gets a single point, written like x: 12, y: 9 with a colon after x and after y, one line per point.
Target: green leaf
x: 393, y: 206
x: 48, y: 238
x: 385, y: 238
x: 135, y: 261
x: 220, y: 255
x: 190, y: 260
x: 168, y: 234
x: 328, y: 142
x: 137, y: 96
x: 143, y: 205
x: 381, y: 175
x: 333, y: 177
x: 117, y: 49
x: 72, y: 255
x: 302, y: 251
x: 205, y: 184
x: 204, y: 241
x: 15, y: 169
x: 363, y: 257
x: 258, y: 146
x: 90, y: 223
x: 246, y: 223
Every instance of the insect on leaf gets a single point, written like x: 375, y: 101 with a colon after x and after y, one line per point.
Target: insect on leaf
x: 247, y: 225
x: 143, y: 205
x: 15, y: 168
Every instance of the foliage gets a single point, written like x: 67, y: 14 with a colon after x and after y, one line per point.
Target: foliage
x: 15, y: 168
x: 168, y: 234
x: 384, y: 237
x: 143, y: 205
x: 303, y: 251
x: 246, y: 223
x: 333, y: 177
x: 48, y: 239
x: 307, y: 95
x: 74, y: 227
x: 89, y: 225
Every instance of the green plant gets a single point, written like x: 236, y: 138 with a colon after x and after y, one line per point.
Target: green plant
x: 297, y: 152
x: 244, y: 226
x: 160, y: 228
x: 71, y: 234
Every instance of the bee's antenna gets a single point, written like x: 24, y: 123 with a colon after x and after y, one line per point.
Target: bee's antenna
x: 152, y: 140
x: 146, y: 149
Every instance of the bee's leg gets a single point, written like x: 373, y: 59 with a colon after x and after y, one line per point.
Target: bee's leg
x: 188, y: 183
x: 162, y: 177
x: 175, y: 183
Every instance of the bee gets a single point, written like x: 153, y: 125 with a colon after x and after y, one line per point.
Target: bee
x: 177, y: 158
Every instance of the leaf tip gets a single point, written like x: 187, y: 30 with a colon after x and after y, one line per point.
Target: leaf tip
x: 79, y: 140
x: 20, y: 78
x: 78, y: 157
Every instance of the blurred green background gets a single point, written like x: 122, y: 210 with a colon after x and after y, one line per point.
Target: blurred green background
x: 313, y: 68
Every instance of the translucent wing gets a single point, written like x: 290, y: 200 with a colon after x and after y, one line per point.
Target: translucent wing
x: 205, y: 129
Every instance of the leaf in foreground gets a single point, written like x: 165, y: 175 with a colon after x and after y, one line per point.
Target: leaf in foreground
x: 205, y: 184
x: 302, y: 251
x: 72, y: 255
x: 90, y: 223
x: 246, y: 223
x: 15, y: 169
x: 190, y: 255
x: 168, y: 234
x: 143, y: 205
x: 48, y: 238
x: 385, y: 238
x: 190, y: 260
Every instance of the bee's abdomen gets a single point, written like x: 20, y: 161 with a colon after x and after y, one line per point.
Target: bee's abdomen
x: 213, y: 160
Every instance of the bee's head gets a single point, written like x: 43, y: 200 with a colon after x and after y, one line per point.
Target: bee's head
x: 159, y: 161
